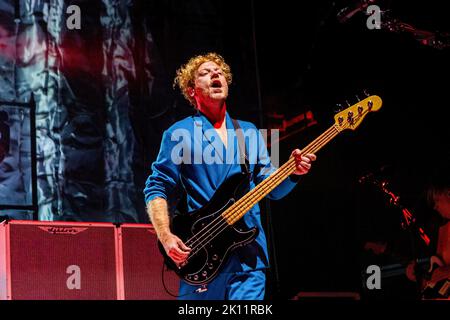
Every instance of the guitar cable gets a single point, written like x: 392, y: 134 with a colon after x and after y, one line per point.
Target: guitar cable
x: 199, y: 290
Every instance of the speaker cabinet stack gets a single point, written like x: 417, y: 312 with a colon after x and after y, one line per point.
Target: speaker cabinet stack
x: 81, y: 261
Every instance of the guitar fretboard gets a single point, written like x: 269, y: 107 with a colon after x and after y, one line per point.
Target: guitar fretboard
x: 243, y: 205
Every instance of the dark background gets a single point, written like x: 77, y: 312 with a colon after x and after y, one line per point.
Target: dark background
x: 307, y: 60
x: 287, y: 58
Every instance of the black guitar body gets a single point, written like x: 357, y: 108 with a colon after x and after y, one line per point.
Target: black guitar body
x: 210, y: 237
x: 436, y: 288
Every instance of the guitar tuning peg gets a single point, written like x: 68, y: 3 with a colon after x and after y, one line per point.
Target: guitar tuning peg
x: 348, y: 104
x: 338, y: 107
x: 366, y: 93
x: 357, y: 98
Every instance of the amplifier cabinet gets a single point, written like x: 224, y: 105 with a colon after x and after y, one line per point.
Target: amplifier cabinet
x: 58, y: 261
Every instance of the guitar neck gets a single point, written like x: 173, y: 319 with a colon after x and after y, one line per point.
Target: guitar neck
x: 243, y: 205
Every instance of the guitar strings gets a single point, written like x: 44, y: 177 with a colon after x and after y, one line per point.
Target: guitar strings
x: 314, y: 145
x: 250, y: 195
x: 242, y: 199
x: 289, y: 166
x: 308, y: 149
x: 220, y: 227
x: 247, y: 202
x: 236, y: 213
x: 319, y: 140
x: 290, y: 163
x: 277, y: 178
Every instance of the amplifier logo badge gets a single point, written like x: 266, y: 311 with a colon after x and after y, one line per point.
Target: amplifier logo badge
x: 63, y: 230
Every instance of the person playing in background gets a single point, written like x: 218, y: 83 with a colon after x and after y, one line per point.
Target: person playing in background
x: 204, y: 82
x: 436, y: 283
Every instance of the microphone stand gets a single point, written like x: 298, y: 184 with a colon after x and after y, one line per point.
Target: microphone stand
x: 408, y: 223
x: 437, y: 40
x: 346, y: 13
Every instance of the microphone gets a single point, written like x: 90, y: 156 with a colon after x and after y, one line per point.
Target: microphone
x: 348, y: 12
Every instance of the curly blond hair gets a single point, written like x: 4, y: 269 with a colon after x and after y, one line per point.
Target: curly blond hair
x: 185, y: 77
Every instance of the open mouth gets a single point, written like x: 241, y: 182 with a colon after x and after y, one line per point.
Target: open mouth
x: 216, y: 84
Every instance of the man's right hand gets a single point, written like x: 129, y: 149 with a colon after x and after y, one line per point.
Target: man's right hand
x: 175, y: 248
x: 159, y: 215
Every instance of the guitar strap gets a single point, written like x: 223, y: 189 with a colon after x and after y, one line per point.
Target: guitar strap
x: 243, y: 158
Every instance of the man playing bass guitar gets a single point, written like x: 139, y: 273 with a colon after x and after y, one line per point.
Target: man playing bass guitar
x: 199, y: 153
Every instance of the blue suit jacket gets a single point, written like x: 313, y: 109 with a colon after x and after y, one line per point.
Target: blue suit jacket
x: 193, y: 155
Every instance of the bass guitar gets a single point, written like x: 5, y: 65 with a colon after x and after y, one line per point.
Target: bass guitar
x: 216, y: 229
x: 436, y: 283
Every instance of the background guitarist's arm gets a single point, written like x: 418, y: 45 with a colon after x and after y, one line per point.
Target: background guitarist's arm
x: 158, y: 212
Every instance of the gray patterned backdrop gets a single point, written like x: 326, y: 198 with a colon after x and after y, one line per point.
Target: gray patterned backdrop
x: 81, y: 79
x: 103, y: 96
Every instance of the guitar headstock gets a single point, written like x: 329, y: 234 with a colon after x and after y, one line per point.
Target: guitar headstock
x: 351, y: 117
